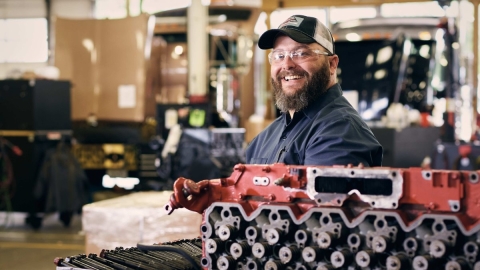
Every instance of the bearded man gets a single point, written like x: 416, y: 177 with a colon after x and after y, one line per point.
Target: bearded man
x: 317, y: 126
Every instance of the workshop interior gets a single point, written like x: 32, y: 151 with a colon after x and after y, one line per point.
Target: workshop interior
x: 124, y: 126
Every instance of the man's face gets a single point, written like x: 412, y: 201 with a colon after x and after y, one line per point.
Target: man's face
x: 296, y: 84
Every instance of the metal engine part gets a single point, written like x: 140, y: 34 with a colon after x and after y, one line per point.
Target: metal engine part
x: 315, y: 217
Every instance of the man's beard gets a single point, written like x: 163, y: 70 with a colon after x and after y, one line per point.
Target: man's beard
x: 313, y: 88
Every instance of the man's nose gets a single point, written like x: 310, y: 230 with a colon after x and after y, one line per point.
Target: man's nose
x: 288, y: 62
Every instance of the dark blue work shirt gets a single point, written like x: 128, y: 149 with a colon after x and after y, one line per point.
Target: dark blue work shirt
x: 328, y: 132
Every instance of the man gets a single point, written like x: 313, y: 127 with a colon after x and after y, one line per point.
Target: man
x: 317, y: 126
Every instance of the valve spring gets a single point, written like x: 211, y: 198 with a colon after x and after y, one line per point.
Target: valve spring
x: 457, y: 264
x: 381, y: 244
x: 288, y: 254
x: 325, y: 239
x: 439, y: 248
x: 261, y: 249
x: 423, y: 262
x: 213, y: 245
x: 365, y: 258
x: 274, y: 265
x: 275, y: 235
x: 398, y: 261
x: 311, y: 254
x: 226, y: 263
x: 226, y: 232
x: 341, y: 258
x: 240, y: 249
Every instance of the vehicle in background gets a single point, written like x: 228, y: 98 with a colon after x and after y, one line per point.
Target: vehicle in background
x: 411, y: 61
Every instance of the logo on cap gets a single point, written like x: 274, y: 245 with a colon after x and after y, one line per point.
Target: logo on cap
x: 292, y: 21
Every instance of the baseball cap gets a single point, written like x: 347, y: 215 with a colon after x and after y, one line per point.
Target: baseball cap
x: 302, y: 29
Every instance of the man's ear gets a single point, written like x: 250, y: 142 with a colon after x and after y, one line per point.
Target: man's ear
x: 333, y: 62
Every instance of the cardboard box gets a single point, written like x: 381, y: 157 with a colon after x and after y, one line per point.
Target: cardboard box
x: 136, y: 218
x: 107, y: 63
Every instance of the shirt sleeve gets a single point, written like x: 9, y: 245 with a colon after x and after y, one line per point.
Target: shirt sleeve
x: 341, y: 142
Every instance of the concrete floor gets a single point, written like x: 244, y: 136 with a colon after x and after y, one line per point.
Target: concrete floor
x: 21, y: 247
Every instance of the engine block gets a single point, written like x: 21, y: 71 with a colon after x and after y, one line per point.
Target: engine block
x: 315, y: 217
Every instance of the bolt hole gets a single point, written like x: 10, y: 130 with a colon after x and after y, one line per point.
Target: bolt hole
x: 380, y: 224
x: 204, y: 262
x: 410, y: 244
x: 438, y: 227
x: 470, y: 247
x: 352, y: 173
x: 354, y: 239
x: 204, y: 228
x: 274, y: 216
x: 394, y: 204
x: 326, y: 219
x: 394, y: 174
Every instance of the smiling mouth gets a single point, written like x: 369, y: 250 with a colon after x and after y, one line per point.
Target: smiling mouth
x: 292, y: 77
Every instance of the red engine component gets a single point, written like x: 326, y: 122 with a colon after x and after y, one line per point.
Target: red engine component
x: 279, y: 216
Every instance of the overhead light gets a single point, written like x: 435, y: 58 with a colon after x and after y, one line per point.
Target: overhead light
x: 353, y: 37
x: 425, y: 35
x: 178, y: 49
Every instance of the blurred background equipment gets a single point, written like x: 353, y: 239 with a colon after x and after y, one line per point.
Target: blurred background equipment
x: 35, y: 118
x: 203, y: 154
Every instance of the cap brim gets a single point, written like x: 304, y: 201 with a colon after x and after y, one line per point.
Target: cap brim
x: 268, y: 38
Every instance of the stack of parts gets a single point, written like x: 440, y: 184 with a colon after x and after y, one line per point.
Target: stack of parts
x: 182, y: 254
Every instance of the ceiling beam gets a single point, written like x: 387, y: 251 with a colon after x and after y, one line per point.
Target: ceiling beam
x: 271, y: 5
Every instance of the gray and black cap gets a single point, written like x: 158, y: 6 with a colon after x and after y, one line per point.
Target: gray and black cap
x: 302, y: 29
